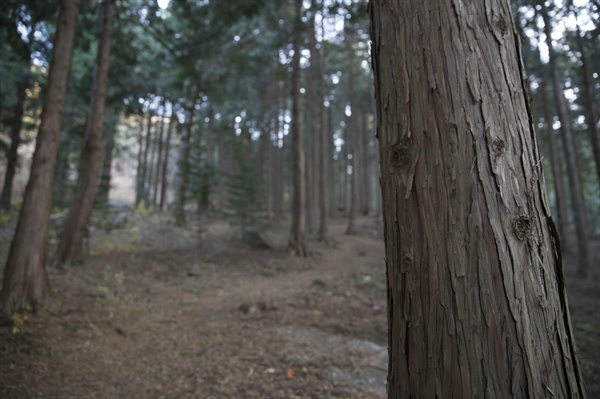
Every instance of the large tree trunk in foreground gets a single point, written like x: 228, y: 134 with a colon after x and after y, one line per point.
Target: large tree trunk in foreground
x: 476, y: 298
x: 297, y: 241
x: 25, y: 279
x: 92, y: 154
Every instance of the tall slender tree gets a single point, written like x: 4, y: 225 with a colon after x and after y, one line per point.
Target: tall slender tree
x: 297, y: 240
x: 573, y: 170
x: 92, y: 154
x: 25, y: 280
x: 184, y: 159
x: 476, y: 299
x: 589, y: 98
x: 165, y: 164
x: 322, y: 137
x: 351, y: 135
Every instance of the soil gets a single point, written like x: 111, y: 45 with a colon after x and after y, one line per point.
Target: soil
x: 159, y: 311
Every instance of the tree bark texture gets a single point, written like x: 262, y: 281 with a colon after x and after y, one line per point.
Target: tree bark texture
x: 92, y: 154
x: 573, y: 170
x: 15, y: 140
x: 476, y: 298
x: 297, y: 240
x: 25, y: 280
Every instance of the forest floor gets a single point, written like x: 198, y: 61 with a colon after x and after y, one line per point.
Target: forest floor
x: 159, y: 311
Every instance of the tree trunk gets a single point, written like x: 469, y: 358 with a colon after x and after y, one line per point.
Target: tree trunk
x: 560, y: 196
x: 476, y: 298
x: 590, y: 103
x: 323, y: 155
x: 365, y: 170
x: 220, y: 165
x: 25, y: 280
x: 159, y: 162
x: 279, y: 150
x: 297, y: 240
x: 313, y: 121
x: 184, y: 163
x: 150, y: 176
x: 145, y: 167
x: 105, y: 176
x: 15, y: 140
x: 352, y: 136
x: 573, y: 170
x: 165, y: 165
x: 92, y: 154
x: 139, y: 176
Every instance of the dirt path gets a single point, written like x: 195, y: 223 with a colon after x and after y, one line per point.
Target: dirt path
x: 214, y: 320
x: 157, y: 312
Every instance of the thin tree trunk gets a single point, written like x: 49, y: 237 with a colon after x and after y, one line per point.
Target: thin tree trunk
x: 590, y: 103
x: 573, y: 170
x: 15, y: 140
x: 220, y: 164
x: 297, y: 240
x: 165, y: 165
x: 159, y: 162
x: 210, y: 159
x: 92, y: 155
x: 105, y: 176
x: 184, y: 163
x: 150, y: 176
x: 139, y: 176
x: 555, y: 164
x: 144, y: 169
x: 313, y: 125
x: 476, y: 299
x: 25, y: 280
x: 351, y: 136
x: 323, y: 155
x: 365, y: 171
x: 279, y: 159
x: 331, y: 164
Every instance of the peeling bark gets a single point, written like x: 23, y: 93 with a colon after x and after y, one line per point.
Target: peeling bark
x: 476, y: 298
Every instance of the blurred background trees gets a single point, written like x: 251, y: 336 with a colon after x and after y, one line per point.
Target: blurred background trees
x: 199, y: 108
